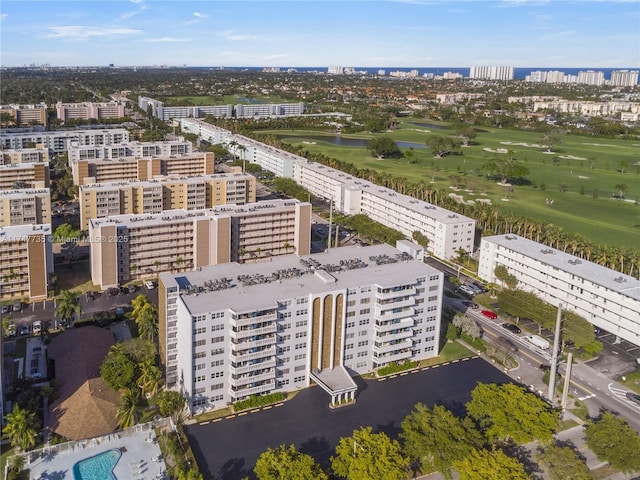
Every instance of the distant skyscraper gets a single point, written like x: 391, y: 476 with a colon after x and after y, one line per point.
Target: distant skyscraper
x: 591, y: 77
x: 554, y: 76
x: 335, y: 70
x: 493, y: 72
x: 624, y: 78
x: 536, y: 76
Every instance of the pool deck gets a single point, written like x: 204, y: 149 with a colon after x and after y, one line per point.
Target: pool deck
x: 141, y: 458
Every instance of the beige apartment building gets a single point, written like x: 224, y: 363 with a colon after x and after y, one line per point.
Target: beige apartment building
x: 24, y: 175
x: 131, y: 247
x: 25, y: 115
x: 39, y: 154
x: 24, y: 207
x: 168, y: 193
x: 26, y: 260
x: 88, y: 110
x: 130, y: 168
x: 94, y: 151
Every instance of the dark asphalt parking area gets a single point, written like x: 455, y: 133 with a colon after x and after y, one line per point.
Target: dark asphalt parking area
x: 228, y: 449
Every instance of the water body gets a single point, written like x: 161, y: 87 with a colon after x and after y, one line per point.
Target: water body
x: 428, y: 125
x: 348, y: 142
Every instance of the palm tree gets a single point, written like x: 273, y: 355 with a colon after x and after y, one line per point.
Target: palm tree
x: 150, y: 375
x: 21, y: 428
x: 68, y: 305
x: 128, y: 412
x: 139, y: 303
x: 147, y: 321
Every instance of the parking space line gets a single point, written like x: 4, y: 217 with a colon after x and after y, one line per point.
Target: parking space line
x: 230, y: 417
x: 424, y: 368
x: 382, y: 379
x: 204, y: 423
x: 256, y: 410
x: 455, y: 361
x: 267, y: 408
x: 414, y: 371
x: 279, y: 404
x: 216, y: 420
x: 403, y: 374
x: 242, y: 414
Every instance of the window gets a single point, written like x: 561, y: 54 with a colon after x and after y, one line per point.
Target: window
x: 364, y: 311
x: 299, y: 368
x: 217, y: 351
x: 300, y: 356
x: 363, y: 343
x: 301, y: 334
x: 217, y: 375
x: 217, y: 363
x: 217, y: 339
x: 364, y: 321
x: 300, y: 346
x: 217, y: 386
x: 215, y: 328
x: 298, y: 379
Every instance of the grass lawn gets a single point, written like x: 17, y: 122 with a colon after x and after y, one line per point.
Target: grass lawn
x: 570, y: 176
x: 451, y: 351
x: 77, y: 278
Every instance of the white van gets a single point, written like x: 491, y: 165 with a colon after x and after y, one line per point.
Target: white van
x: 538, y: 341
x: 37, y: 327
x: 149, y: 285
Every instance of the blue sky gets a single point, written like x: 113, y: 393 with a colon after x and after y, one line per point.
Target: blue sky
x: 402, y: 33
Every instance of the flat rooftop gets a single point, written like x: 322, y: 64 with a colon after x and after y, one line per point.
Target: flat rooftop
x: 23, y: 192
x: 606, y: 277
x: 23, y: 231
x: 164, y: 180
x: 249, y: 286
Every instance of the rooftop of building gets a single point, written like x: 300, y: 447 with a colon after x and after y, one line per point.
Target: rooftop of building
x: 65, y: 133
x: 23, y: 192
x: 165, y: 180
x: 22, y: 231
x: 606, y: 277
x: 181, y: 214
x: 246, y: 287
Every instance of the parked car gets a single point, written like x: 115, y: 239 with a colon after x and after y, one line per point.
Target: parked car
x: 11, y: 330
x: 634, y: 397
x: 113, y: 291
x: 508, y: 344
x: 37, y: 327
x: 481, y: 288
x: 17, y: 307
x: 466, y: 289
x: 149, y: 285
x: 544, y: 367
x: 123, y: 291
x: 470, y: 304
x: 489, y: 314
x: 133, y: 288
x: 6, y: 309
x: 511, y: 327
x: 24, y: 329
x: 538, y: 341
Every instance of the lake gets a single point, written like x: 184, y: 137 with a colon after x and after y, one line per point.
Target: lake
x: 427, y: 125
x: 347, y: 142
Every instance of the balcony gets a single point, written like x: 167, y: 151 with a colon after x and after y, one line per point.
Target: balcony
x: 389, y: 337
x: 250, y: 332
x: 397, y: 293
x: 389, y: 315
x: 252, y: 367
x: 245, y: 392
x: 408, y: 302
x: 392, y: 347
x: 249, y: 379
x: 246, y: 344
x: 237, y: 357
x: 384, y: 359
x: 245, y: 322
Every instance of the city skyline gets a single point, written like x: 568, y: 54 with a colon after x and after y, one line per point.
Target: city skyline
x: 403, y: 33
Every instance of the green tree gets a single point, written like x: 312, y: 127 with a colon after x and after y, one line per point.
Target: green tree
x: 147, y: 321
x: 150, y: 376
x: 366, y: 455
x: 383, y: 147
x: 420, y: 238
x: 440, y: 145
x: 509, y: 411
x: 490, y: 465
x: 284, y: 463
x: 563, y: 463
x: 505, y: 168
x: 467, y: 325
x: 465, y: 133
x: 118, y: 370
x: 453, y: 332
x: 501, y: 273
x: 68, y: 305
x: 128, y: 412
x: 435, y: 438
x: 171, y: 404
x: 613, y: 440
x: 21, y: 428
x: 621, y: 188
x: 64, y: 233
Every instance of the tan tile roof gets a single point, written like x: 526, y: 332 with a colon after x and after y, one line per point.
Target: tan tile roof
x: 86, y: 406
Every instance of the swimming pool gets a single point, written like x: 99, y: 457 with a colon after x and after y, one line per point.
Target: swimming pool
x: 98, y: 467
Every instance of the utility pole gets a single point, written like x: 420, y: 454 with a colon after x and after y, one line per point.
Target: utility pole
x: 567, y: 381
x: 554, y: 356
x: 330, y: 221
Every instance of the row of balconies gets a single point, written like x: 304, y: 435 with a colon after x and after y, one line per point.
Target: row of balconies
x: 383, y: 326
x: 247, y: 344
x: 389, y: 337
x: 390, y: 315
x: 241, y: 380
x: 252, y: 367
x: 246, y: 392
x: 392, y: 347
x: 382, y: 359
x: 246, y: 356
x: 249, y: 320
x: 250, y: 332
x: 397, y: 293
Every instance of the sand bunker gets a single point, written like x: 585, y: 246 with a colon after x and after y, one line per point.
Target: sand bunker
x: 571, y: 157
x: 460, y: 199
x: 531, y: 145
x: 497, y: 150
x: 308, y: 143
x: 583, y: 177
x: 600, y: 144
x: 486, y: 201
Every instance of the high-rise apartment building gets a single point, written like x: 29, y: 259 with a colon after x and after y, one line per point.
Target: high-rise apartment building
x: 89, y: 110
x: 26, y: 260
x: 604, y: 297
x: 234, y: 330
x: 168, y: 193
x: 129, y: 247
x: 493, y: 72
x: 24, y: 207
x: 624, y: 78
x: 24, y: 115
x: 164, y: 148
x: 591, y: 77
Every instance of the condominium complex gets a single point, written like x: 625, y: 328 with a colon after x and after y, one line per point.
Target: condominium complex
x: 493, y: 72
x: 234, y: 330
x: 26, y: 258
x: 604, y: 297
x: 112, y: 151
x: 89, y: 110
x: 26, y: 114
x: 167, y: 193
x: 591, y: 77
x: 25, y: 206
x: 624, y: 78
x: 159, y: 110
x: 131, y: 168
x: 588, y: 108
x: 447, y: 232
x: 129, y: 247
x: 60, y: 140
x: 38, y: 154
x: 24, y: 175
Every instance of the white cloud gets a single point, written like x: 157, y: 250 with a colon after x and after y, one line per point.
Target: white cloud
x: 563, y: 34
x: 79, y: 32
x: 200, y: 15
x: 166, y: 40
x: 276, y: 56
x: 3, y: 16
x: 523, y: 3
x: 241, y: 37
x: 133, y: 13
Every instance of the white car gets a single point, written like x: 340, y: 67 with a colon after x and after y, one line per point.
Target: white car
x: 149, y: 285
x: 37, y: 327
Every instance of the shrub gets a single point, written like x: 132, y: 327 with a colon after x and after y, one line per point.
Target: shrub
x: 397, y: 367
x: 255, y: 401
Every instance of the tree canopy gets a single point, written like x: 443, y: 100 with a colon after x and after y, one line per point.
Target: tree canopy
x: 171, y: 403
x: 509, y: 411
x: 613, y: 440
x: 287, y: 463
x: 366, y: 455
x: 490, y: 465
x: 440, y: 145
x: 563, y: 463
x: 506, y: 168
x: 118, y: 370
x: 435, y: 438
x: 383, y: 147
x: 21, y: 428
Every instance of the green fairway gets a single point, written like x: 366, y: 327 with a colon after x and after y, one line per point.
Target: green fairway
x: 560, y: 187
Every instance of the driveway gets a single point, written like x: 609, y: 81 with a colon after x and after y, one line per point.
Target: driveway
x: 228, y: 449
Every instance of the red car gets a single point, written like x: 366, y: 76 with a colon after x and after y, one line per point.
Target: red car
x: 489, y: 314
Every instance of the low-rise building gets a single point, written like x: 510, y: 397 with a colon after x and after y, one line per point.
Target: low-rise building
x: 26, y: 114
x: 130, y: 247
x: 24, y: 207
x: 164, y: 148
x: 604, y: 297
x: 166, y: 193
x: 24, y: 175
x: 89, y: 110
x: 234, y: 330
x: 60, y: 140
x: 26, y: 260
x: 38, y: 154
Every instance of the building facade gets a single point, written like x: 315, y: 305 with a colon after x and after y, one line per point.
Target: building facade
x: 26, y: 260
x: 24, y: 175
x: 165, y: 148
x: 24, y: 207
x: 130, y: 247
x: 604, y: 297
x: 39, y: 154
x: 60, y: 140
x: 235, y: 330
x: 169, y: 193
x: 491, y: 72
x: 89, y: 110
x: 26, y: 114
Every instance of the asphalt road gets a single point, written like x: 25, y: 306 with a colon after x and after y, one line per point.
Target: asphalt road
x: 228, y: 449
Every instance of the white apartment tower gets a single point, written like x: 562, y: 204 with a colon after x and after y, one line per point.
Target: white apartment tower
x: 624, y: 78
x: 493, y: 72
